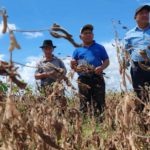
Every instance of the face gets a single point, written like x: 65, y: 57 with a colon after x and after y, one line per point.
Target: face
x: 142, y: 17
x: 47, y: 50
x: 87, y: 36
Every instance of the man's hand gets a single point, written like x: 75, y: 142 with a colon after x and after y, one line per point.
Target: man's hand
x: 55, y: 74
x: 50, y: 74
x: 73, y: 64
x: 98, y: 70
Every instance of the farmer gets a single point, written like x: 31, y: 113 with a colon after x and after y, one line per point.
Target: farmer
x: 49, y: 68
x: 137, y: 46
x: 89, y: 61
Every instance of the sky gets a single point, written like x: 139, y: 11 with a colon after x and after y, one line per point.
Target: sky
x: 71, y: 15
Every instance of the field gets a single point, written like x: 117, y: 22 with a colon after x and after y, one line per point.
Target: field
x: 37, y: 122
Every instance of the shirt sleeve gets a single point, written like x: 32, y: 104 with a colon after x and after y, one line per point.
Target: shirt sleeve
x: 104, y: 55
x: 62, y: 65
x: 38, y: 68
x: 75, y: 54
x: 127, y: 44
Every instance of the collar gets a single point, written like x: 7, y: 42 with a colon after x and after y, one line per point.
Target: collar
x: 44, y: 58
x: 90, y: 45
x: 137, y: 28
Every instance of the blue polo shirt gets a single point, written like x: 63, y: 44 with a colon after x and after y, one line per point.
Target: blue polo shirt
x: 94, y: 55
x: 136, y: 40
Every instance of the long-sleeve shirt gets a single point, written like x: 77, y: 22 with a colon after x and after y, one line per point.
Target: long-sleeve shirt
x: 136, y: 40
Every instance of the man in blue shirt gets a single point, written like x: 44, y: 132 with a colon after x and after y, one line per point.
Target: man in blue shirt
x: 94, y: 56
x: 137, y: 45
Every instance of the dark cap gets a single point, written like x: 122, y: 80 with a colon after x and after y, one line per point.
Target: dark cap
x: 47, y: 43
x: 147, y: 7
x: 86, y: 27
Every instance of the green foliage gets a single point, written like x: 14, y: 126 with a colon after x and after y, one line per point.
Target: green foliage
x: 3, y: 87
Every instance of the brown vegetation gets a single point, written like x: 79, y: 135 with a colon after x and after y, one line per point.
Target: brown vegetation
x: 31, y: 122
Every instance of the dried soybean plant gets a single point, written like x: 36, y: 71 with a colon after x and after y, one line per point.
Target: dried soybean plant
x: 3, y: 13
x: 129, y: 128
x: 54, y: 121
x: 57, y: 28
x: 121, y: 53
x: 8, y: 69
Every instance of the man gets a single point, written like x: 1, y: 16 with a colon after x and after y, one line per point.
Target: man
x: 137, y: 45
x: 90, y: 55
x: 50, y: 68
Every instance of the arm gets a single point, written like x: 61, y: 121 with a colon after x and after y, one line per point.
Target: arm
x: 104, y: 58
x: 73, y: 64
x: 39, y: 76
x: 99, y: 69
x: 62, y: 66
x: 39, y: 73
x: 53, y: 73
